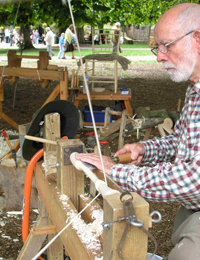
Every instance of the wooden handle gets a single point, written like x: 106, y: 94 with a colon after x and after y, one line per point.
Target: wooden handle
x: 38, y: 139
x: 6, y: 138
x: 123, y: 158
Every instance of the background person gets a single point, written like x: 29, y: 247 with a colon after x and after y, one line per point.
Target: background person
x: 36, y: 37
x: 49, y: 40
x: 115, y: 36
x: 69, y: 47
x: 174, y: 174
x: 61, y: 45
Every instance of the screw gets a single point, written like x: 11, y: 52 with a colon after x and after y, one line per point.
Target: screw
x: 57, y: 165
x: 106, y: 225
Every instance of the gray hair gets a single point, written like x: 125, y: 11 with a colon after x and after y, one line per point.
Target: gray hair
x: 48, y: 28
x: 189, y: 19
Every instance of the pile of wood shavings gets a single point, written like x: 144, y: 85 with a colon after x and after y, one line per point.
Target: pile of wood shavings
x: 89, y: 233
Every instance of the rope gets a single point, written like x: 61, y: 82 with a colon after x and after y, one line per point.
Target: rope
x: 88, y: 94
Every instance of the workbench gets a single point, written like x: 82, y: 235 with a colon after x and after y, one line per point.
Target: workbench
x: 106, y: 95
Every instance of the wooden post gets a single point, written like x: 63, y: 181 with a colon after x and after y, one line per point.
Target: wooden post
x: 122, y: 129
x: 55, y: 250
x: 51, y: 132
x: 70, y: 181
x: 115, y: 75
x: 107, y: 116
x: 33, y: 243
x: 64, y: 86
x: 1, y: 89
x: 43, y: 61
x: 136, y: 241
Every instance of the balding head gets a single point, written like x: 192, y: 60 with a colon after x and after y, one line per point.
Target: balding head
x: 180, y: 18
x: 177, y: 34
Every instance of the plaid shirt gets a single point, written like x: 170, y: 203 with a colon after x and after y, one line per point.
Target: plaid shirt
x: 166, y: 181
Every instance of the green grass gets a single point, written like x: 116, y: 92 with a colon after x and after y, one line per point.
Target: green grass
x: 84, y: 52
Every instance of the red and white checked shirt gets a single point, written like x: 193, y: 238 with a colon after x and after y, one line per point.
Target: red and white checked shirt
x: 166, y: 181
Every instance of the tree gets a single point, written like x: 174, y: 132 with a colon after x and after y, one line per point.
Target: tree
x: 24, y: 18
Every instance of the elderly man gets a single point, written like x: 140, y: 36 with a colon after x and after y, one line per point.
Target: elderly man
x: 49, y: 39
x: 175, y: 159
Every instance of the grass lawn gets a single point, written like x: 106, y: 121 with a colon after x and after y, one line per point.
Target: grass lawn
x: 128, y: 50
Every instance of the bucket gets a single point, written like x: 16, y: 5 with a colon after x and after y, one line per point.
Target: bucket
x: 155, y: 257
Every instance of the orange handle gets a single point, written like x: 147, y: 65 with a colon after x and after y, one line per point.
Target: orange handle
x: 123, y: 158
x: 6, y: 138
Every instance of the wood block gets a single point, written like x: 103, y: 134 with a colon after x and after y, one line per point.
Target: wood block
x: 51, y: 132
x: 69, y: 180
x: 135, y: 244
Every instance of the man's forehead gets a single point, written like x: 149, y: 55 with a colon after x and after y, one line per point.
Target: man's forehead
x: 164, y: 34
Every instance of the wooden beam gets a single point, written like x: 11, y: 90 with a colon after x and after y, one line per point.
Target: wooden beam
x: 49, y: 229
x: 70, y: 181
x: 51, y: 132
x: 53, y: 95
x: 27, y: 57
x: 59, y: 211
x: 1, y: 89
x: 9, y: 120
x: 32, y: 73
x: 106, y: 95
x: 64, y: 84
x: 56, y: 250
x: 33, y: 243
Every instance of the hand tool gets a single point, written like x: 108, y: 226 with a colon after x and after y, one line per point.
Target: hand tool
x: 10, y: 146
x: 122, y: 158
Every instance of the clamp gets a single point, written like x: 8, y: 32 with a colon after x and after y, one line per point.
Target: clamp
x: 131, y: 219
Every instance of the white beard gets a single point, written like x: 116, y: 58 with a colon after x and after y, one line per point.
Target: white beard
x: 183, y: 71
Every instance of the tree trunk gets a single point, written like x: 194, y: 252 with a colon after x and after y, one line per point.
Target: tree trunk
x: 81, y: 35
x: 27, y: 39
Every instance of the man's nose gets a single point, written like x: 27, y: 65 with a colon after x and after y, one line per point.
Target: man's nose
x: 161, y: 56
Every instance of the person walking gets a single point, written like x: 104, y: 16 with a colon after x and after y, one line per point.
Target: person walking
x: 7, y: 35
x: 69, y: 47
x: 49, y: 39
x: 11, y: 35
x: 115, y: 36
x: 61, y: 45
x: 171, y: 164
x: 36, y: 37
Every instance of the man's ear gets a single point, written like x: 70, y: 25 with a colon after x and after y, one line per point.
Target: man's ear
x: 197, y: 38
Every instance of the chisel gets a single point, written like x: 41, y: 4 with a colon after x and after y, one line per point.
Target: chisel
x: 11, y: 148
x: 122, y: 158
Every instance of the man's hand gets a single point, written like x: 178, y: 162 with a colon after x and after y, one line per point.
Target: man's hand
x: 137, y: 151
x: 95, y: 160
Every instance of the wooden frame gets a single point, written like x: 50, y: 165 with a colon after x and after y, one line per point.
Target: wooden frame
x: 43, y: 73
x: 63, y: 199
x: 104, y: 49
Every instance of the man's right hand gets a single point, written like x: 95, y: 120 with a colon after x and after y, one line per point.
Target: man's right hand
x: 137, y: 151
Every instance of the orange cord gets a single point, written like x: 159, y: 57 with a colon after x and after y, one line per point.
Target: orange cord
x: 27, y: 194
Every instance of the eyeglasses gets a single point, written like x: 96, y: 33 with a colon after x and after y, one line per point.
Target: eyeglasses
x: 163, y: 47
